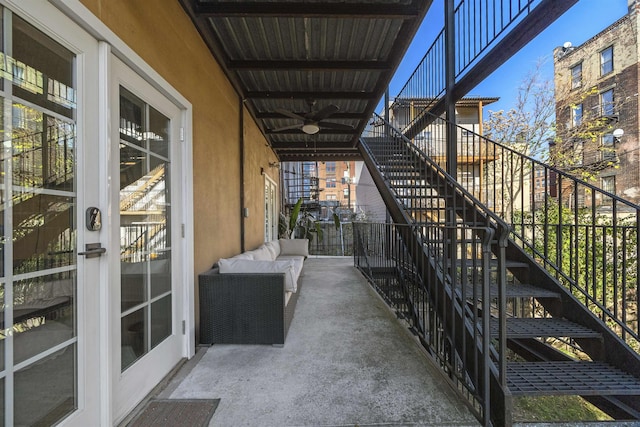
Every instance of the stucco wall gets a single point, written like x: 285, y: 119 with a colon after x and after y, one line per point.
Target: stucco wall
x: 163, y: 35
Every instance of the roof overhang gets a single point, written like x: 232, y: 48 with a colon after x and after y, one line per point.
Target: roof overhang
x: 328, y: 64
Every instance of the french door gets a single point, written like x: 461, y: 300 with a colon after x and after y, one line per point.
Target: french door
x: 147, y: 314
x: 49, y: 345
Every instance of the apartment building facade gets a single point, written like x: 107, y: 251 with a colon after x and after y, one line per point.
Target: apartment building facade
x: 597, y: 108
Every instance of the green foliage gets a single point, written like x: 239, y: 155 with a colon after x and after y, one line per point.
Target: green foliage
x: 556, y: 408
x: 295, y: 212
x: 595, y: 257
x: 302, y: 223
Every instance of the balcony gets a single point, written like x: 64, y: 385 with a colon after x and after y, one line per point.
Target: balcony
x: 347, y: 360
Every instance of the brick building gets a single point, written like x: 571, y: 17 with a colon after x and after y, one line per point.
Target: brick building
x: 597, y: 108
x: 324, y: 186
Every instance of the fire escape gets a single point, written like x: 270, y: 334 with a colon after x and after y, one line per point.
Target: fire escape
x: 488, y: 279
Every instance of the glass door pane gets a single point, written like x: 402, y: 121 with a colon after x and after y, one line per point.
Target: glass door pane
x: 38, y: 270
x: 145, y: 245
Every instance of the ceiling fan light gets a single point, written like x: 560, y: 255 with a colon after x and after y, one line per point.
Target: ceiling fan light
x: 310, y: 128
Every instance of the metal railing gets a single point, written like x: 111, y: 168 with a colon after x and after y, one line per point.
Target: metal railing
x: 438, y: 281
x: 586, y: 237
x: 457, y: 247
x: 479, y: 25
x: 334, y: 241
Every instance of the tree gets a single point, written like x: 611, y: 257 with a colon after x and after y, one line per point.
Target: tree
x: 526, y: 129
x: 529, y: 125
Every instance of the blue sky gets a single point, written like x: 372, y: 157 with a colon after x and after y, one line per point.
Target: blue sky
x: 577, y: 25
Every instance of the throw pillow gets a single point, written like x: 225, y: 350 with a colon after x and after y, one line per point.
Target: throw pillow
x: 294, y: 247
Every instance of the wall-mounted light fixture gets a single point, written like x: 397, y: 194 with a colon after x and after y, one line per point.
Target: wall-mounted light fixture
x: 617, y: 134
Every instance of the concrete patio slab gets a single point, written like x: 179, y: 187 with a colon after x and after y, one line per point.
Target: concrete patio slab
x: 346, y: 361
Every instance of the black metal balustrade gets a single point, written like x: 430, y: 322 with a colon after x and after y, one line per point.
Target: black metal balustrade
x: 333, y: 241
x: 537, y: 304
x: 586, y: 237
x: 479, y: 28
x: 427, y: 273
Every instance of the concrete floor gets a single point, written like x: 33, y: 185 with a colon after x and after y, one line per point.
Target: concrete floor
x: 346, y: 362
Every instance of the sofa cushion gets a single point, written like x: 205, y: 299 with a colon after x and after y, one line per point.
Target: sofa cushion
x: 298, y: 262
x: 294, y: 247
x: 243, y: 255
x: 287, y: 267
x: 274, y: 248
x: 261, y: 254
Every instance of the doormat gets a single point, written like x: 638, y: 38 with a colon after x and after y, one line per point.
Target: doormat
x: 176, y: 413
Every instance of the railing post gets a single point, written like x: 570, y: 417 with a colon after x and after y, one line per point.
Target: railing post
x: 487, y: 239
x: 450, y: 73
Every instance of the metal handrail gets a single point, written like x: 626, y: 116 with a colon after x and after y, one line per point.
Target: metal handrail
x: 426, y: 291
x: 548, y: 209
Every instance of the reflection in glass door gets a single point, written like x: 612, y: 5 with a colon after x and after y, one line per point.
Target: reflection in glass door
x: 270, y: 210
x: 145, y: 244
x: 38, y: 286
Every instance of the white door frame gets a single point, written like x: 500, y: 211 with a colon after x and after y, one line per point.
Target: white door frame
x: 132, y: 385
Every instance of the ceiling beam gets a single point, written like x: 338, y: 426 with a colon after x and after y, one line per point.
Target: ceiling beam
x: 312, y: 95
x: 269, y: 65
x: 310, y: 146
x: 319, y: 157
x: 323, y: 131
x: 338, y: 115
x: 321, y: 10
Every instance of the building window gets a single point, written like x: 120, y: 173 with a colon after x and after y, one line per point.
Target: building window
x: 606, y: 61
x: 331, y: 183
x: 576, y: 115
x: 606, y: 103
x: 330, y: 167
x: 331, y: 197
x: 609, y: 184
x: 578, y: 153
x: 607, y: 148
x: 576, y: 76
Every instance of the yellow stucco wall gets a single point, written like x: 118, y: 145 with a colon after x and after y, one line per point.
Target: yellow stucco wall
x: 163, y: 35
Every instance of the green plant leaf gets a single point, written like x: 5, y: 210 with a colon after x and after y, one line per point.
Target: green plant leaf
x: 293, y: 219
x: 319, y: 231
x: 336, y: 220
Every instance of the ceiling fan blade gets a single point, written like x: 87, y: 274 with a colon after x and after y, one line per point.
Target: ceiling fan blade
x: 280, y: 129
x: 325, y: 112
x: 337, y: 126
x: 289, y: 114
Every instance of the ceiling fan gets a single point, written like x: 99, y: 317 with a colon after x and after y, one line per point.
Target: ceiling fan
x: 313, y: 121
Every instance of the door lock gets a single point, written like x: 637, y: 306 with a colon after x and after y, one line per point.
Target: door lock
x: 93, y: 250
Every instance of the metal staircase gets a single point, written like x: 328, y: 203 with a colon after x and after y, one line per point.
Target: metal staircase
x: 472, y: 283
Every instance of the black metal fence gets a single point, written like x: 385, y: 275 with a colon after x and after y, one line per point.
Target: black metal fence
x: 437, y: 278
x: 585, y: 236
x: 334, y: 241
x: 479, y: 25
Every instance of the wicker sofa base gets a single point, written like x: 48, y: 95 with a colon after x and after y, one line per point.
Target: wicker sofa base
x: 244, y: 308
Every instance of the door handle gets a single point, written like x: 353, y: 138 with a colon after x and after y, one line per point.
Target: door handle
x: 93, y: 250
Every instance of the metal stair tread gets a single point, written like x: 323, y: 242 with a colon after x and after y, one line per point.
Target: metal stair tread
x: 543, y: 328
x: 569, y: 378
x: 520, y: 290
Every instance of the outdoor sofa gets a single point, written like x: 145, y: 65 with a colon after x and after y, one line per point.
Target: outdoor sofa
x: 251, y: 297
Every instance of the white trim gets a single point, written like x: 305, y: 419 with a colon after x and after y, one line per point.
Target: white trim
x: 188, y: 239
x: 104, y: 144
